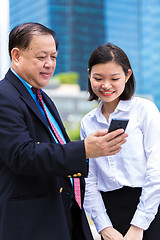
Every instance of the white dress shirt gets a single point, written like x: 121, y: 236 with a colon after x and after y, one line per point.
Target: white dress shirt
x: 136, y: 165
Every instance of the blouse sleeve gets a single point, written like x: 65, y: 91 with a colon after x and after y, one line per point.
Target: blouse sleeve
x: 93, y: 202
x: 150, y: 197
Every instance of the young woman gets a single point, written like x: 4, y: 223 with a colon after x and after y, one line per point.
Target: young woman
x: 123, y: 190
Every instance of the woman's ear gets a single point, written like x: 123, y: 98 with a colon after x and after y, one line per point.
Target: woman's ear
x: 89, y: 74
x: 128, y: 74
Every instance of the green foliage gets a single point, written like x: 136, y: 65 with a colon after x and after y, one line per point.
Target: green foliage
x: 66, y: 78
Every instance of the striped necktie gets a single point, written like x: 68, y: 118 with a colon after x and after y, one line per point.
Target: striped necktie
x: 76, y: 181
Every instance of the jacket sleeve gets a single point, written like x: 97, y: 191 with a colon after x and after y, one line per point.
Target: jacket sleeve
x: 25, y: 153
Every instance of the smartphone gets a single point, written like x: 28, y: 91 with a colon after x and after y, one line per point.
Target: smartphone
x: 118, y: 123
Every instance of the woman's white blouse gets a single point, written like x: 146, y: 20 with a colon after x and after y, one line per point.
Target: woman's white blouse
x: 136, y: 165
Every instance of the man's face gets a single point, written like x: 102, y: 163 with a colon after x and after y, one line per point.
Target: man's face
x: 37, y: 63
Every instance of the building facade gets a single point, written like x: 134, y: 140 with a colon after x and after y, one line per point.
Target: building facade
x: 135, y: 27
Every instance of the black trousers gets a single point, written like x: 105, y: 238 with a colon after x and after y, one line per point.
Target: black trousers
x: 121, y: 205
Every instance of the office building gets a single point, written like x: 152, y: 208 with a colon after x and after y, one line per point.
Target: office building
x: 134, y: 26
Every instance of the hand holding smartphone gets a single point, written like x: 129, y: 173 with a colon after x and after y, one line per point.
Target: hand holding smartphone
x: 118, y: 123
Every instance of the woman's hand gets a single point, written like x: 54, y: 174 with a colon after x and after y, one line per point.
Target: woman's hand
x: 111, y: 233
x: 134, y: 233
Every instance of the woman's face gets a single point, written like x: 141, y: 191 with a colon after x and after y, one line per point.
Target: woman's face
x: 108, y: 81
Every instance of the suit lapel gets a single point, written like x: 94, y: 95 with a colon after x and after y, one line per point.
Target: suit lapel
x: 27, y: 98
x: 25, y: 95
x: 32, y: 105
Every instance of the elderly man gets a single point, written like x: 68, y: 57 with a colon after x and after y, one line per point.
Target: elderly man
x: 41, y: 171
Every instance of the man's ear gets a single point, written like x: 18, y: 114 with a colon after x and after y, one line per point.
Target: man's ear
x: 15, y: 54
x: 128, y: 74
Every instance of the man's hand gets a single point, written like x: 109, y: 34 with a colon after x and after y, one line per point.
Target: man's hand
x: 111, y: 233
x: 102, y: 143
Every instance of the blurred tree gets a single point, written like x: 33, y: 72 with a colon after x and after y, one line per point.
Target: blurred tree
x: 66, y: 78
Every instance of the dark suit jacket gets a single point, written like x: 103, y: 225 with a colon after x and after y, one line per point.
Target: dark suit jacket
x: 33, y: 169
